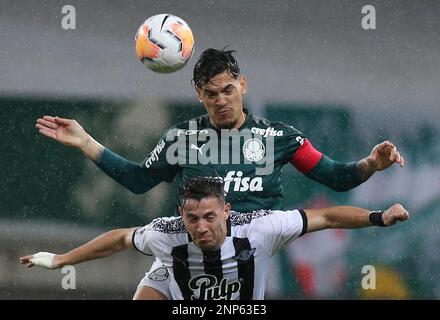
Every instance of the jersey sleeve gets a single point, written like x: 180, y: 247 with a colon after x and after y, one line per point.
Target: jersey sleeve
x: 141, y: 240
x: 300, y: 151
x: 290, y: 142
x: 140, y: 177
x: 281, y: 228
x: 156, y: 165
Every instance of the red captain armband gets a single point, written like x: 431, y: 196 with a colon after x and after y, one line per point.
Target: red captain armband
x: 306, y: 157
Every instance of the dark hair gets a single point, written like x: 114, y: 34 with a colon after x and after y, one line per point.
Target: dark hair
x: 201, y: 187
x: 213, y: 62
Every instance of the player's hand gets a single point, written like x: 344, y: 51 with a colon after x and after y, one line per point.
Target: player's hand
x: 393, y: 214
x: 384, y: 155
x: 66, y: 131
x: 46, y: 260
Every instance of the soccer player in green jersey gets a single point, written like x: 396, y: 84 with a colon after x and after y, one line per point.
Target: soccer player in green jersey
x: 247, y: 151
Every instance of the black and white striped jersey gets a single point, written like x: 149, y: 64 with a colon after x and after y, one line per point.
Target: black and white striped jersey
x: 237, y: 270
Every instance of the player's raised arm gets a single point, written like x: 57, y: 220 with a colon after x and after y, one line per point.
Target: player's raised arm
x: 343, y: 176
x: 70, y: 133
x: 105, y: 245
x: 136, y: 177
x: 345, y: 217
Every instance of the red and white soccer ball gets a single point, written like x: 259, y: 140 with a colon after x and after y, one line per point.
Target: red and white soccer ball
x: 164, y: 43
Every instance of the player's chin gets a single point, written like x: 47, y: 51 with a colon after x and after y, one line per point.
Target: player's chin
x: 227, y: 123
x: 207, y: 245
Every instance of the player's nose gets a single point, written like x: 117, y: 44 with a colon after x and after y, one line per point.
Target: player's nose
x: 221, y: 100
x: 201, y: 228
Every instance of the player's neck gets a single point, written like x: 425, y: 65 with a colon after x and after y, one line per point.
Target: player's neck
x: 241, y: 121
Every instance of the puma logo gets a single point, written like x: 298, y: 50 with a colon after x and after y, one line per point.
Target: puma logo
x: 194, y: 147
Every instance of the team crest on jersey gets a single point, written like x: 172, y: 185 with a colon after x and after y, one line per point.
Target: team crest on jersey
x: 253, y: 150
x: 160, y: 274
x: 244, y: 255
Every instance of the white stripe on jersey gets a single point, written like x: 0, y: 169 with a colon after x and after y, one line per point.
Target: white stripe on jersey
x: 237, y: 270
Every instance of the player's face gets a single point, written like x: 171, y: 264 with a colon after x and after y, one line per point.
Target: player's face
x: 205, y: 221
x: 223, y: 100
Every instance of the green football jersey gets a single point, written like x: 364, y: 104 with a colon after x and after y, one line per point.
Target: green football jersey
x: 249, y: 159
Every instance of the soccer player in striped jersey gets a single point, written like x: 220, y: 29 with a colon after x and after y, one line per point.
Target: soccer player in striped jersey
x: 253, y: 180
x: 211, y: 252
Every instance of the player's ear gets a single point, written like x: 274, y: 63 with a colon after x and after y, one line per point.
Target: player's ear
x: 181, y: 211
x: 199, y: 93
x: 227, y: 210
x: 243, y: 84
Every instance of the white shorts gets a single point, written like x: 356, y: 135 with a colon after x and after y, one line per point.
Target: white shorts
x: 159, y: 278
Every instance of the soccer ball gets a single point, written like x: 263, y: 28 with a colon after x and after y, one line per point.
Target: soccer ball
x: 164, y: 43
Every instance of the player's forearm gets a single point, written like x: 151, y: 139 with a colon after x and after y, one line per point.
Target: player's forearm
x: 339, y: 176
x: 346, y: 217
x: 128, y: 173
x: 364, y: 169
x: 341, y: 217
x: 92, y: 149
x: 105, y: 245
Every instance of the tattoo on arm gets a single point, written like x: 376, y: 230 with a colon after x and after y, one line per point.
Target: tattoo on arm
x: 364, y: 170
